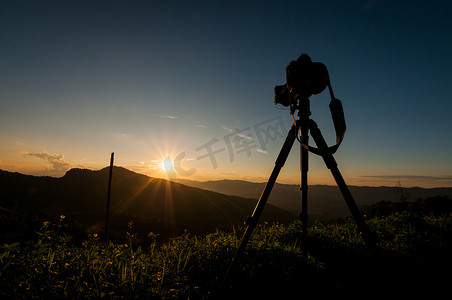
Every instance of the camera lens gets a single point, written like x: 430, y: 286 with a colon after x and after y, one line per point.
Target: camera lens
x: 282, y: 95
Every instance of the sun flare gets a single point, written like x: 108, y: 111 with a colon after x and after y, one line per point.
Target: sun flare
x: 167, y: 165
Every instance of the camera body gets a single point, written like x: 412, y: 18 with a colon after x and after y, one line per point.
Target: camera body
x: 304, y: 78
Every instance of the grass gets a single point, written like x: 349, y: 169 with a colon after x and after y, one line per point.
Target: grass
x: 414, y: 254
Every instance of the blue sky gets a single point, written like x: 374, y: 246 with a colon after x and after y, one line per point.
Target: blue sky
x: 151, y: 80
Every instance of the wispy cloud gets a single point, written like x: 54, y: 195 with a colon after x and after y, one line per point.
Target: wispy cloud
x: 145, y: 167
x: 238, y: 132
x: 227, y: 128
x: 261, y: 151
x: 426, y: 181
x: 56, y: 160
x: 407, y: 177
x: 168, y: 116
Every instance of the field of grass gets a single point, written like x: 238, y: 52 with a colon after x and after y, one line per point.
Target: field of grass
x: 414, y: 256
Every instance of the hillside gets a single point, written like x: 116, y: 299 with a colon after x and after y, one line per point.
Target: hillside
x: 414, y: 259
x: 414, y: 239
x: 325, y: 202
x: 156, y: 205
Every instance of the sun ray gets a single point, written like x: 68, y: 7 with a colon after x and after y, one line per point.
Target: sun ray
x: 129, y: 200
x: 169, y: 217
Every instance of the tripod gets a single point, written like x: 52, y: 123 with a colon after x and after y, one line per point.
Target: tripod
x: 305, y: 125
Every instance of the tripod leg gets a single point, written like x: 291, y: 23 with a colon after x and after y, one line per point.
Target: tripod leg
x: 304, y: 166
x: 253, y: 220
x: 368, y: 236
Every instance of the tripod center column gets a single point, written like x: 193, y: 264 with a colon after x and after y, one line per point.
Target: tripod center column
x: 303, y: 114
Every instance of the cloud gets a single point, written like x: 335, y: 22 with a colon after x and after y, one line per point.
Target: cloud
x: 261, y: 151
x: 426, y: 181
x: 408, y: 177
x: 168, y: 117
x: 56, y: 160
x: 227, y: 128
x: 238, y: 132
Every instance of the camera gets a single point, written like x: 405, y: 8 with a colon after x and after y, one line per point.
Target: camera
x: 304, y: 78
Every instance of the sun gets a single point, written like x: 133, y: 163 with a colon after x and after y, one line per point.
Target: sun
x: 167, y: 165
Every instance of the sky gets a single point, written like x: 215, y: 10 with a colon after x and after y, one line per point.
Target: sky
x: 184, y: 89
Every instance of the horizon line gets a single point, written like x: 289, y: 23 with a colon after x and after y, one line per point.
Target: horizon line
x: 175, y: 179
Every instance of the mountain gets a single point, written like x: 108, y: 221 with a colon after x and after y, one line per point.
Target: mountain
x: 324, y: 202
x: 157, y: 205
x: 168, y: 208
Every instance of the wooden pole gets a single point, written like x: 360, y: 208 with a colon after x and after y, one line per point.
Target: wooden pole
x: 108, y: 196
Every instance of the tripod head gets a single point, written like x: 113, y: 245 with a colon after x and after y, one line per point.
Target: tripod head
x: 304, y: 79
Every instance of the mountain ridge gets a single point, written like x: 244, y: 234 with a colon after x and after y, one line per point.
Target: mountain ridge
x: 325, y: 202
x: 165, y: 207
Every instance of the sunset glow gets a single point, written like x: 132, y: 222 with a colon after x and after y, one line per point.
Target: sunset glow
x: 181, y: 91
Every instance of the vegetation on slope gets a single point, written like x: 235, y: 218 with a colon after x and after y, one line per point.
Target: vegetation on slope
x: 414, y: 256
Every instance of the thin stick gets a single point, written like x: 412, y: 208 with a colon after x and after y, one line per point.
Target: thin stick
x: 108, y: 196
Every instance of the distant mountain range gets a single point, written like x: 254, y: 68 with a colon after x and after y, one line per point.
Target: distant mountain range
x: 168, y: 208
x: 157, y: 205
x: 324, y: 202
